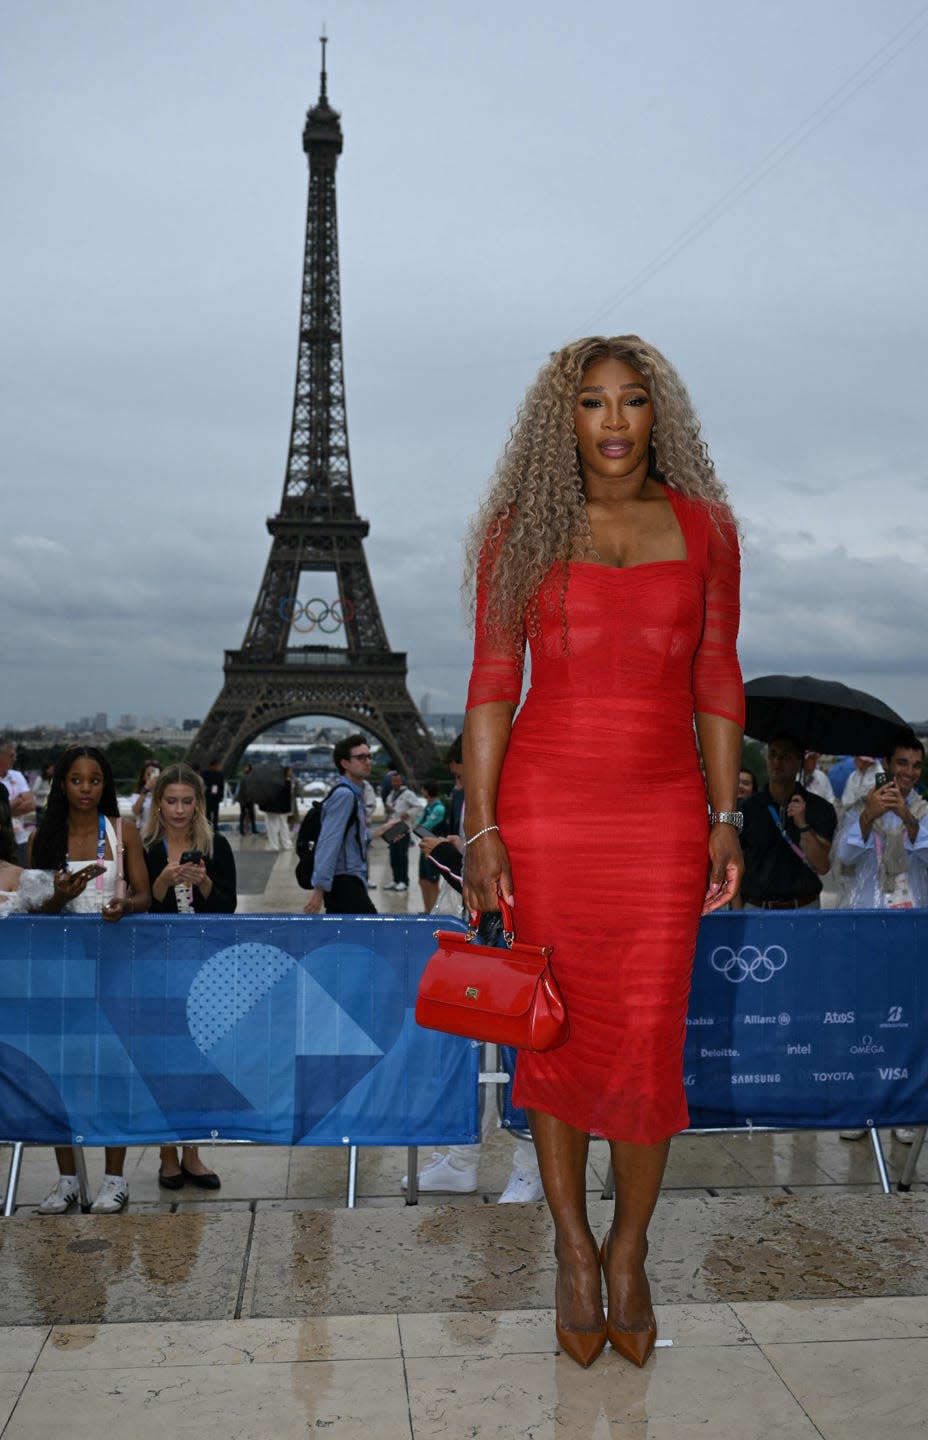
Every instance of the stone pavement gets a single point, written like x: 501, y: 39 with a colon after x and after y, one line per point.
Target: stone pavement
x: 790, y: 1294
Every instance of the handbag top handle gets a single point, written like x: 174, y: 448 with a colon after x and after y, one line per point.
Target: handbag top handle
x: 509, y: 931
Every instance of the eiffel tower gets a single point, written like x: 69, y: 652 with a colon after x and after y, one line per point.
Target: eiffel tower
x: 278, y: 674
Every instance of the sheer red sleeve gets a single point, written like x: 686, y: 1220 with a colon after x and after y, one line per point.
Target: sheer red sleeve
x: 497, y: 669
x: 717, y: 685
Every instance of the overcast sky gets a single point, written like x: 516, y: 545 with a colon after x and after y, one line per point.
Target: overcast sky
x: 741, y: 182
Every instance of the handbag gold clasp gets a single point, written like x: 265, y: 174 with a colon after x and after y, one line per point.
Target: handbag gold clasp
x: 471, y: 992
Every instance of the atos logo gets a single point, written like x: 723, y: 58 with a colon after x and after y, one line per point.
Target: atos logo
x: 893, y: 1072
x: 894, y: 1020
x: 748, y: 963
x: 839, y: 1017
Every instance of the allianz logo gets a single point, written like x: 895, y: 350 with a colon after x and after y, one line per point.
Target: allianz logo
x: 705, y: 1054
x: 893, y: 1072
x: 782, y: 1019
x: 867, y: 1047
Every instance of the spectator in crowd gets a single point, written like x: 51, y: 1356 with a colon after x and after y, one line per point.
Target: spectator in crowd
x: 786, y: 837
x: 191, y: 869
x: 883, y: 843
x: 454, y: 759
x: 747, y: 783
x: 402, y: 804
x: 884, y: 837
x: 22, y: 803
x: 214, y: 786
x: 433, y: 820
x: 41, y: 788
x: 9, y: 850
x: 82, y: 838
x: 861, y: 780
x: 277, y: 811
x: 140, y: 799
x: 340, y: 854
x: 246, y: 805
x: 814, y: 778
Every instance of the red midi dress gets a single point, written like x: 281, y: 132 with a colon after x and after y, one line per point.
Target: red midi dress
x: 602, y: 808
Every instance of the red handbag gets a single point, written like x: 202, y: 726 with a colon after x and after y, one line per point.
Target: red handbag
x: 508, y: 997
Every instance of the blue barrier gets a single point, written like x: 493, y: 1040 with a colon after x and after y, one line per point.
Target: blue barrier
x: 290, y: 1031
x: 804, y: 1020
x: 268, y: 1028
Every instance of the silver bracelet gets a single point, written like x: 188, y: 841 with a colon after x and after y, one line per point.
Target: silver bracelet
x: 485, y: 831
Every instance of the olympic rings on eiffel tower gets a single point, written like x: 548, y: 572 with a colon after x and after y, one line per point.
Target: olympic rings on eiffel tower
x: 316, y: 613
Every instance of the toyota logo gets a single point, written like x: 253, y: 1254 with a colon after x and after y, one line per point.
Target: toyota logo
x: 748, y: 963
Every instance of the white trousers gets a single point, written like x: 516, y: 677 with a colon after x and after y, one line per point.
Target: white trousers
x: 278, y: 831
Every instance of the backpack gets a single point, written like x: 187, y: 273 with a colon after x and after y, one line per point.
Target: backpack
x: 308, y: 837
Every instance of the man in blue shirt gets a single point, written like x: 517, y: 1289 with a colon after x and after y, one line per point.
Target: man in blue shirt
x: 340, y: 856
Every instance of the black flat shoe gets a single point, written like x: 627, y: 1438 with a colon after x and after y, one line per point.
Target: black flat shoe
x: 171, y: 1182
x: 209, y: 1181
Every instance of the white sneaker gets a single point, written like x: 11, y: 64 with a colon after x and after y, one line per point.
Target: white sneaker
x: 65, y: 1194
x: 400, y: 885
x: 905, y: 1134
x: 852, y: 1134
x: 522, y: 1189
x: 111, y: 1197
x: 390, y: 886
x: 442, y: 1176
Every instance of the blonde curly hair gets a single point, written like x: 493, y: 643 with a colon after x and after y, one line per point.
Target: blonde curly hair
x: 534, y: 516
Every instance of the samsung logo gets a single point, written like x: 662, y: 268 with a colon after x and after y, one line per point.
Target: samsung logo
x: 755, y: 1079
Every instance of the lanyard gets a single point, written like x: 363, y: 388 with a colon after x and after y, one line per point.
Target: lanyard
x: 796, y: 849
x: 101, y: 850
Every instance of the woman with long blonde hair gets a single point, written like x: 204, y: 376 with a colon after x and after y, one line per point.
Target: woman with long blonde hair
x: 607, y: 544
x: 192, y: 870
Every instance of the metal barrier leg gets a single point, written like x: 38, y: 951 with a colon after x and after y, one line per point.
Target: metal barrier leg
x: 609, y: 1183
x: 908, y: 1174
x: 80, y: 1167
x: 412, y: 1175
x: 352, y: 1176
x: 16, y: 1165
x: 880, y: 1160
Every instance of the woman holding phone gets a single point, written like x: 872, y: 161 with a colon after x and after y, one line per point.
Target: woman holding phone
x: 192, y: 870
x: 95, y: 857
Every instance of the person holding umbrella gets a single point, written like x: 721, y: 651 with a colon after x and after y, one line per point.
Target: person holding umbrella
x: 787, y: 835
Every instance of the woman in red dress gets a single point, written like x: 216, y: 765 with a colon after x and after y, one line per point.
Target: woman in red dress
x: 606, y: 542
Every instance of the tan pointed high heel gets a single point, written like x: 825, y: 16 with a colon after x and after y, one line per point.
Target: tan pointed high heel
x: 633, y: 1345
x: 583, y: 1346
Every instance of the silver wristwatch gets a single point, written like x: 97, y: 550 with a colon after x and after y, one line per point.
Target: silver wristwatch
x: 726, y: 817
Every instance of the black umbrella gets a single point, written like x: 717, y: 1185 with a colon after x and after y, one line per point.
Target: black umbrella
x: 264, y: 784
x: 824, y: 714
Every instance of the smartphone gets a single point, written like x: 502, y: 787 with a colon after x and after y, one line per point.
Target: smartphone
x: 882, y: 779
x: 191, y: 857
x: 424, y: 834
x: 396, y: 831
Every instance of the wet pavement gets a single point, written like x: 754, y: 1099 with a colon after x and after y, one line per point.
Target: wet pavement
x: 790, y: 1294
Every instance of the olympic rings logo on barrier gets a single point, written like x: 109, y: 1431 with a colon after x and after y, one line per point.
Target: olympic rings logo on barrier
x: 748, y: 963
x: 317, y: 614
